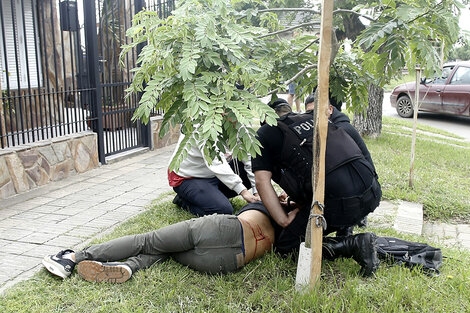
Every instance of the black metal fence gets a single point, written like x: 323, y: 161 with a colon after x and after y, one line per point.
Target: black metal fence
x: 60, y: 71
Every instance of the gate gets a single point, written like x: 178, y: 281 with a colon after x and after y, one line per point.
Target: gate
x: 105, y: 32
x: 60, y: 71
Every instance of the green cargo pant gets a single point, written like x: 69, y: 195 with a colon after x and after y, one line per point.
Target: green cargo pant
x: 211, y: 244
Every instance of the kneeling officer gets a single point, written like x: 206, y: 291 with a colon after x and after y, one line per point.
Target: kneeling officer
x: 351, y: 186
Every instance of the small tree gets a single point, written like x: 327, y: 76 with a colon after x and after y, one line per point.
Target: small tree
x: 194, y: 60
x: 205, y: 70
x: 461, y: 50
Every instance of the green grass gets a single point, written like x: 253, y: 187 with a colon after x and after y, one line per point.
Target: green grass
x: 441, y: 170
x: 265, y: 285
x: 442, y: 184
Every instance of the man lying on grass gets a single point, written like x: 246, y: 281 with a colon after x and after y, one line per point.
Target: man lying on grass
x: 214, y: 244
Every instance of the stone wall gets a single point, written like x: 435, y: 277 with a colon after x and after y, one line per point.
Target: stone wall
x: 28, y: 166
x: 36, y: 164
x: 170, y: 138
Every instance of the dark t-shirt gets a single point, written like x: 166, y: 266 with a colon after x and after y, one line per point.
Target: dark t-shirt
x: 342, y: 182
x: 271, y: 139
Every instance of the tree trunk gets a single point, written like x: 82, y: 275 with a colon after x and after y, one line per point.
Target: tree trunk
x: 370, y: 123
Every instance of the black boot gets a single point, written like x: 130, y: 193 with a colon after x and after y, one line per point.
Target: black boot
x: 363, y: 223
x: 361, y: 247
x: 346, y: 231
x: 178, y: 201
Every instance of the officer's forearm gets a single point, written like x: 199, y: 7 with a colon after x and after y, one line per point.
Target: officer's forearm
x: 269, y: 197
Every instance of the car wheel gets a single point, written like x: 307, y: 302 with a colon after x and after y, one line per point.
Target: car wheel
x: 404, y: 107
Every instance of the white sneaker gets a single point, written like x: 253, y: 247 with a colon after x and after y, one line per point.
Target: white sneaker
x: 58, y: 265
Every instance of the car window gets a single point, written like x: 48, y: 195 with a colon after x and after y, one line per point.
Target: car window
x: 445, y: 73
x: 461, y: 76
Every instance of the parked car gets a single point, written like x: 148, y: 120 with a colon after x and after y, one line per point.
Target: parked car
x: 448, y: 94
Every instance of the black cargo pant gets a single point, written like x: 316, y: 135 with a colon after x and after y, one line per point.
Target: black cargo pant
x: 211, y: 244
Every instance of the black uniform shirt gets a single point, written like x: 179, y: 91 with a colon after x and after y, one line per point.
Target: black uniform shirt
x: 271, y: 139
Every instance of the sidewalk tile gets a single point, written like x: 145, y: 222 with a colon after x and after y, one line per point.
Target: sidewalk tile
x: 18, y: 247
x: 45, y: 209
x: 38, y: 238
x: 10, y: 222
x: 8, y: 212
x: 65, y: 241
x: 463, y: 228
x: 83, y: 231
x: 15, y: 234
x: 42, y: 250
x: 28, y: 215
x: 62, y: 202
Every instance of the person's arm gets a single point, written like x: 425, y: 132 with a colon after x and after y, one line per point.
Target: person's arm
x: 250, y: 175
x: 227, y: 176
x: 270, y: 199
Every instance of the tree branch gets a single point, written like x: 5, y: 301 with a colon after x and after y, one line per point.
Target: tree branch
x: 290, y: 10
x: 305, y: 24
x: 354, y: 12
x: 313, y: 11
x: 423, y: 14
x: 288, y: 29
x: 287, y: 82
x: 307, y: 46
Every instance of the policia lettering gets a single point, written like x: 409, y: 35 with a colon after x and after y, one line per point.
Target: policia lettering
x: 341, y: 150
x: 303, y: 129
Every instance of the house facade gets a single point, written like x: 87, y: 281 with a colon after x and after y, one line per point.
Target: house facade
x: 62, y: 104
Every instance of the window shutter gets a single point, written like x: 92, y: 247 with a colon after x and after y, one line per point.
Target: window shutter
x: 14, y: 32
x: 9, y: 39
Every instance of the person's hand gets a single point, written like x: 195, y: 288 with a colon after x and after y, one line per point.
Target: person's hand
x: 283, y: 197
x: 290, y: 217
x: 248, y: 196
x: 285, y: 202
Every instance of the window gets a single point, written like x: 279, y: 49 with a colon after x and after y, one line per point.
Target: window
x: 445, y: 74
x: 19, y: 45
x: 461, y: 76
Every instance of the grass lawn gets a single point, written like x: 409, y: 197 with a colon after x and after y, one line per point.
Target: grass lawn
x: 441, y: 170
x: 265, y: 285
x: 442, y: 184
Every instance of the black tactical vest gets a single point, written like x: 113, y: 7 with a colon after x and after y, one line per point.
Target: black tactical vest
x: 297, y: 154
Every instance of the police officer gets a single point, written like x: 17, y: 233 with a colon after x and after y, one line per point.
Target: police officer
x: 351, y: 186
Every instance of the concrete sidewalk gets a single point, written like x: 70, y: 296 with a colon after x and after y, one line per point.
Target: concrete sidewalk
x: 71, y: 212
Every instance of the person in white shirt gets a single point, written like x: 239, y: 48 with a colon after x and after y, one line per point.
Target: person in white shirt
x: 205, y: 189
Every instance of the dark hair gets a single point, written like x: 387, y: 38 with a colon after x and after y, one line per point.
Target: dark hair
x: 310, y: 98
x: 277, y: 103
x: 333, y: 101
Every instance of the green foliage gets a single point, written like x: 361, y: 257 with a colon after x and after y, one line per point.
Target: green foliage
x: 461, y: 50
x: 407, y: 33
x: 193, y: 60
x: 189, y: 68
